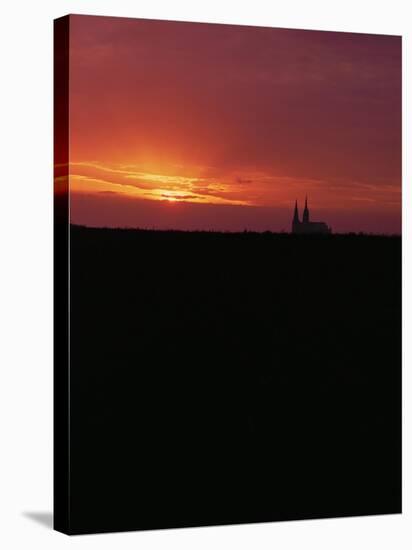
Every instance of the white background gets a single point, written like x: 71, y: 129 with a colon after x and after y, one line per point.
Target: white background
x: 26, y: 274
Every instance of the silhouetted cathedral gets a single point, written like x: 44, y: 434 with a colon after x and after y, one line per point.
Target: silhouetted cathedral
x: 306, y: 226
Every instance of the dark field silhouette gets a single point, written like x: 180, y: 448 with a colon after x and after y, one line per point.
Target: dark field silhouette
x: 228, y: 378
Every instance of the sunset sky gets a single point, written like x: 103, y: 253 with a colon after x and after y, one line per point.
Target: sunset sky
x: 199, y: 126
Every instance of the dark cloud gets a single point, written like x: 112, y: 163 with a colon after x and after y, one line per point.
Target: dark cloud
x: 242, y: 180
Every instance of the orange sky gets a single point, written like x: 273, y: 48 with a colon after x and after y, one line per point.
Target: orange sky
x: 197, y: 126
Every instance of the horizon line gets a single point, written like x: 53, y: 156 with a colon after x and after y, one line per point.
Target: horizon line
x: 229, y: 232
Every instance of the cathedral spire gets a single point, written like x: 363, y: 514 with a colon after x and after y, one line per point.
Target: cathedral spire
x: 306, y: 212
x: 296, y: 214
x: 296, y: 221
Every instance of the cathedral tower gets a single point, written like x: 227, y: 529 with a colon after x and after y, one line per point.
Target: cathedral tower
x: 305, y: 226
x: 306, y: 212
x: 295, y: 221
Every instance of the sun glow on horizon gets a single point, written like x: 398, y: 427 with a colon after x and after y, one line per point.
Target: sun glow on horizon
x: 244, y: 188
x: 89, y: 178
